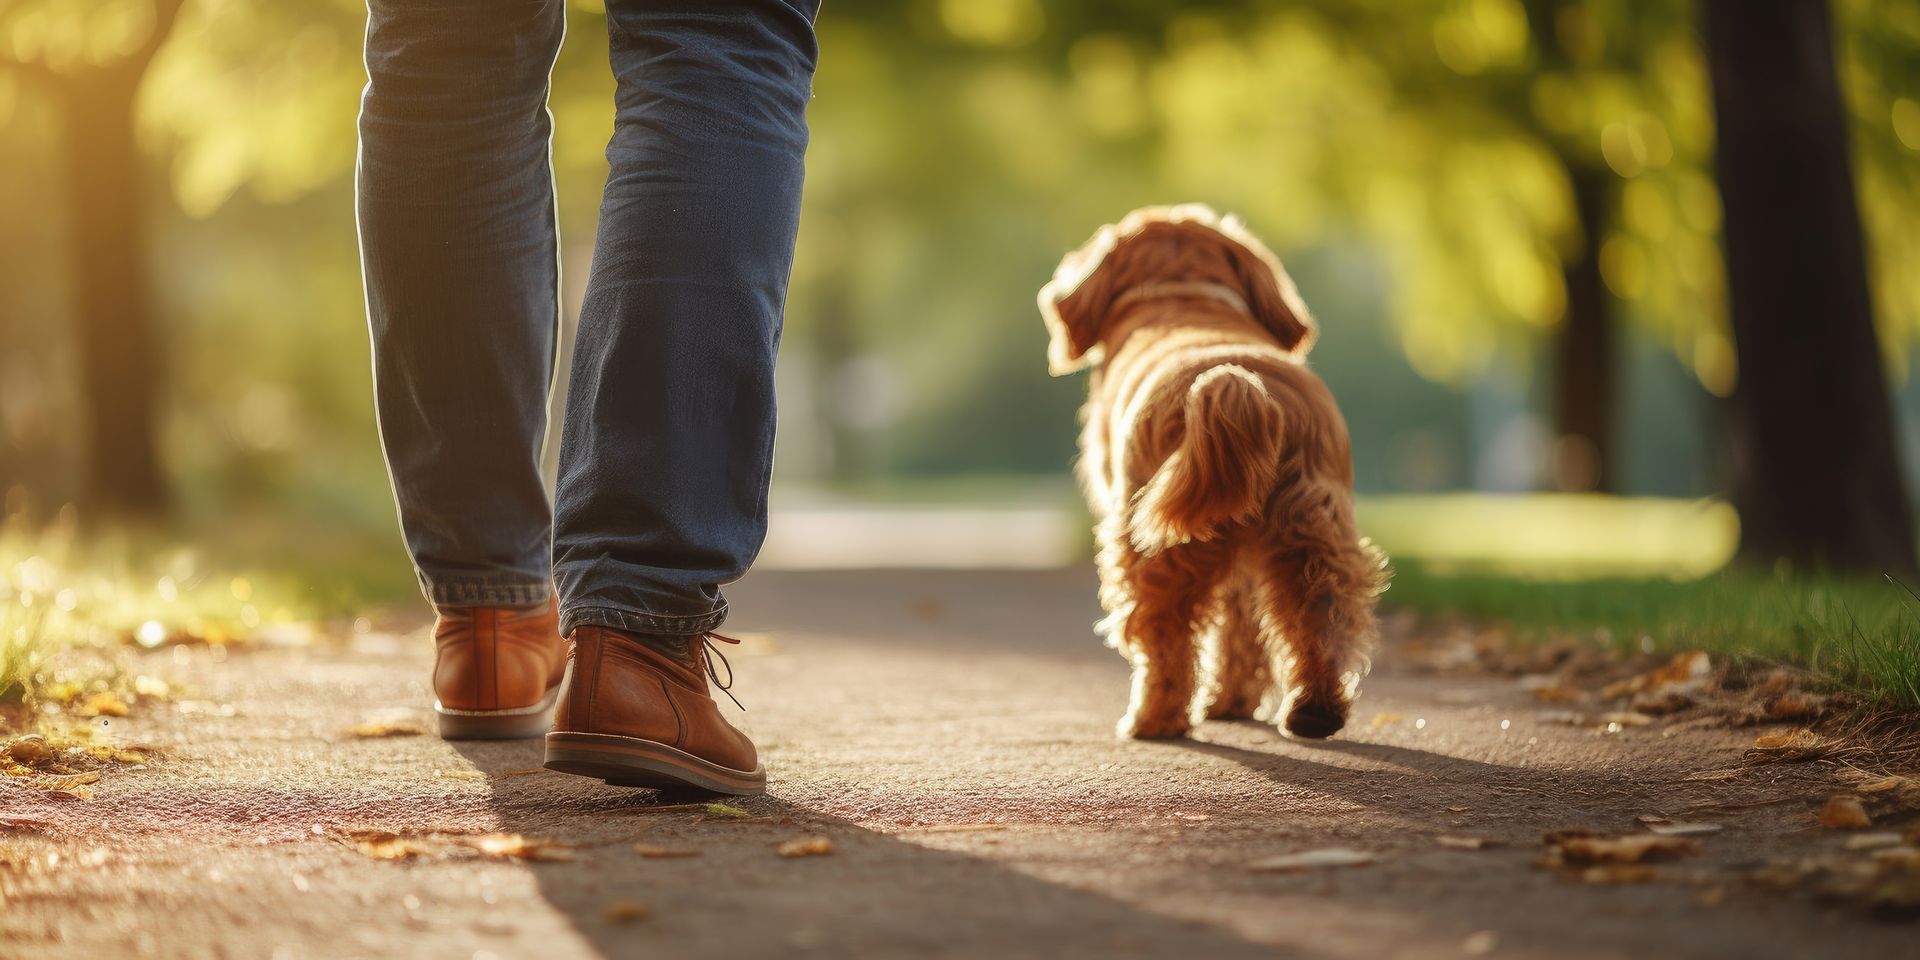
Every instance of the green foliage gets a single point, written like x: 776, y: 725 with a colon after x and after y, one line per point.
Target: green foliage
x: 1417, y: 155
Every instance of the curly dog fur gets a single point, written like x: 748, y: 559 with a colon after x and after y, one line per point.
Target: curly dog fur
x: 1231, y: 571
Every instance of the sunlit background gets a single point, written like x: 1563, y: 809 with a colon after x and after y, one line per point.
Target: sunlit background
x: 1434, y: 172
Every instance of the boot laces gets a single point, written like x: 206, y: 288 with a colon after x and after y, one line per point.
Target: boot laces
x: 712, y: 653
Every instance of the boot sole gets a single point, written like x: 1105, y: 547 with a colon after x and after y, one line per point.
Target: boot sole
x: 633, y: 762
x: 518, y: 723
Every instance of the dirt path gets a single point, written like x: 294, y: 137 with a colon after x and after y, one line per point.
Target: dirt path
x: 977, y: 705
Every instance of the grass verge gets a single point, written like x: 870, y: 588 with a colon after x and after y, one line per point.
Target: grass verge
x: 1862, y: 634
x: 71, y: 609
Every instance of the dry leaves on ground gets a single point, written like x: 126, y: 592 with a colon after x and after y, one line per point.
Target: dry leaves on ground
x: 1844, y: 811
x: 1667, y: 827
x: 1686, y: 674
x: 1874, y: 841
x: 1586, y: 848
x: 1323, y: 859
x: 1885, y: 884
x: 101, y: 705
x: 626, y: 911
x: 806, y: 847
x: 387, y: 845
x: 663, y: 853
x: 513, y: 846
x: 1466, y: 843
x: 1794, y: 747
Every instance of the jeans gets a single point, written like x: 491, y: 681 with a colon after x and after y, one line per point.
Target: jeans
x: 667, y: 446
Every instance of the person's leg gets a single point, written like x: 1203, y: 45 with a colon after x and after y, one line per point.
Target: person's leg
x: 458, y: 248
x: 668, y: 443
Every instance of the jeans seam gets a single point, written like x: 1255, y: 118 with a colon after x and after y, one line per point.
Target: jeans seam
x: 483, y: 591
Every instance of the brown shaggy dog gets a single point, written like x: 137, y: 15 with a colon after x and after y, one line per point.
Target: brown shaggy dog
x: 1219, y: 469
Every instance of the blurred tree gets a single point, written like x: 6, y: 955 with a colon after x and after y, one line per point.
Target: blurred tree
x: 1817, y: 478
x: 88, y: 59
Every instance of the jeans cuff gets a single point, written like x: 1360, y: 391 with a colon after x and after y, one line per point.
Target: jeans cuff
x: 633, y: 621
x: 485, y: 593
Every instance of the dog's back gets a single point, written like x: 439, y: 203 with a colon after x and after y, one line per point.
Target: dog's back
x: 1202, y: 424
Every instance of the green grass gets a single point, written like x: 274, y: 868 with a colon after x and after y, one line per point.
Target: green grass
x: 1863, y: 634
x: 70, y: 609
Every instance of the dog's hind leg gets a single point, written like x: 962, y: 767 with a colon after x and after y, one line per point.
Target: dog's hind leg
x: 1234, y: 659
x: 1318, y: 589
x: 1168, y: 590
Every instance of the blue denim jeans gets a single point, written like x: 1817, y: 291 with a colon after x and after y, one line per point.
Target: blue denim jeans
x: 668, y: 442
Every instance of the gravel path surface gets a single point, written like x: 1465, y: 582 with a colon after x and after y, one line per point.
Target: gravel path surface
x: 950, y: 735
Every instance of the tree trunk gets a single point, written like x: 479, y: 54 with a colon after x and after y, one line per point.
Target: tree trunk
x: 1816, y: 473
x: 109, y: 232
x: 1585, y: 366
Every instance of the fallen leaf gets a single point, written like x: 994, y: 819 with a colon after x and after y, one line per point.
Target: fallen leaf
x: 663, y: 853
x: 1607, y: 874
x: 29, y: 750
x: 1662, y: 703
x: 1685, y: 673
x: 1327, y: 858
x: 77, y: 780
x: 1466, y: 843
x: 726, y: 811
x: 101, y: 705
x: 1678, y: 828
x: 382, y: 845
x: 1844, y: 811
x: 1873, y: 841
x: 625, y: 911
x: 386, y: 728
x: 1798, y: 746
x: 513, y: 846
x: 1796, y: 705
x: 1587, y: 847
x: 806, y: 847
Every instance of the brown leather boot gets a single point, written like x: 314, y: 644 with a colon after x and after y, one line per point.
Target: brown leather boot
x: 497, y: 671
x: 636, y: 717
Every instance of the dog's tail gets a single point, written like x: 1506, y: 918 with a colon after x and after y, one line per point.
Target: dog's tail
x: 1227, y: 463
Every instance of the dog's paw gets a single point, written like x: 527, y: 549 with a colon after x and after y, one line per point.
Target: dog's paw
x: 1315, y: 720
x: 1133, y: 727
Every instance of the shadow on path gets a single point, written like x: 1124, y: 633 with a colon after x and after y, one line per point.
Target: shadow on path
x: 876, y: 895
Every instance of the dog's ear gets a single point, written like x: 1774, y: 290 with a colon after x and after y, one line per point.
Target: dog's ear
x: 1268, y: 289
x: 1074, y: 303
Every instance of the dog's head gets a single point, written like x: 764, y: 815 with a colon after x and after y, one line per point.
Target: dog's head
x: 1153, y: 245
